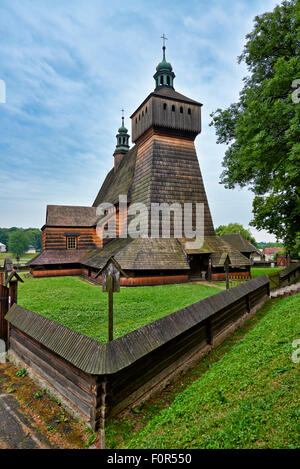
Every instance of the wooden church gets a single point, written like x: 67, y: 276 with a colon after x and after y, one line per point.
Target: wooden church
x: 161, y: 168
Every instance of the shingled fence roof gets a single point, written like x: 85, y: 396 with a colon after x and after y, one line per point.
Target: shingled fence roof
x: 97, y: 358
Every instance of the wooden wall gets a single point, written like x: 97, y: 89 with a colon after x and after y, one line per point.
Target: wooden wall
x: 55, y: 237
x: 158, y: 112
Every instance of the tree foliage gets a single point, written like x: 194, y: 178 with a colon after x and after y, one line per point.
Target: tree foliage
x: 34, y: 236
x: 262, y: 130
x: 236, y: 228
x: 18, y: 242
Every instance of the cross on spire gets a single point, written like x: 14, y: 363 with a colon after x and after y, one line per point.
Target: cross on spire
x: 122, y: 110
x: 164, y: 38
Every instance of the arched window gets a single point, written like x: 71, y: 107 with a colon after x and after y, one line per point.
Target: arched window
x: 136, y: 120
x: 168, y: 80
x: 142, y: 113
x: 161, y: 80
x: 173, y: 108
x: 165, y: 106
x: 181, y: 109
x: 189, y: 111
x: 139, y: 117
x: 146, y: 110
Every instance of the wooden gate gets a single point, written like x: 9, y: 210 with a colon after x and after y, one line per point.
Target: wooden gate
x: 274, y: 281
x: 4, y: 295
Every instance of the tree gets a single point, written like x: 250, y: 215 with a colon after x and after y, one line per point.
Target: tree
x: 262, y: 130
x: 18, y: 242
x: 34, y: 236
x: 236, y: 228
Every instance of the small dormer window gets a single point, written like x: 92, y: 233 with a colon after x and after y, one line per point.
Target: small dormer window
x: 71, y: 242
x: 173, y: 108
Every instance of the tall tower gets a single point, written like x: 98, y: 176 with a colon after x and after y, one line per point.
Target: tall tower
x: 164, y: 128
x: 122, y: 146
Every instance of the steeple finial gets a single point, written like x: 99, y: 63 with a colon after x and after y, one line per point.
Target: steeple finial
x: 164, y: 38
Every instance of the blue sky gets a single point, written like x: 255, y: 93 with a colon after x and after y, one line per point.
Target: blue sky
x: 70, y: 66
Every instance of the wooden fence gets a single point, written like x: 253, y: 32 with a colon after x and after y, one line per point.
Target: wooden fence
x: 102, y: 379
x: 285, y: 276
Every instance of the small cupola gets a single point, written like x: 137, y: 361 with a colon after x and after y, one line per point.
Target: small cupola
x: 164, y: 75
x: 122, y: 146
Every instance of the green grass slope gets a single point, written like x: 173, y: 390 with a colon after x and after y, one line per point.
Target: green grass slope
x: 83, y: 307
x: 248, y: 399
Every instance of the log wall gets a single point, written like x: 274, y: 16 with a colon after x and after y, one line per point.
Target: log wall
x: 55, y: 238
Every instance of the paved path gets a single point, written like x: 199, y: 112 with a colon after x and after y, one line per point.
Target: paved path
x: 286, y: 291
x: 16, y: 429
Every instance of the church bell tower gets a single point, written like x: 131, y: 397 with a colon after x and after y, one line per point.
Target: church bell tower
x: 164, y: 128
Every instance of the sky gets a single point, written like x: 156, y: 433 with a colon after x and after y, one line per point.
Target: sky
x: 69, y: 67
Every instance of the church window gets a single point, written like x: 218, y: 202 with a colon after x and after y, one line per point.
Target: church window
x: 168, y: 80
x: 173, y: 108
x: 181, y: 109
x: 162, y: 80
x: 189, y: 111
x: 165, y: 106
x: 142, y: 113
x: 146, y: 109
x: 71, y: 242
x: 136, y: 120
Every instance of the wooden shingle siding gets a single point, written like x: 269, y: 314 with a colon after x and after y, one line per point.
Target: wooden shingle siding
x: 132, y: 365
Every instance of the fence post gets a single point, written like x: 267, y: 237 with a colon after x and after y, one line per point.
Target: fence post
x: 209, y: 337
x: 247, y: 303
x: 4, y: 294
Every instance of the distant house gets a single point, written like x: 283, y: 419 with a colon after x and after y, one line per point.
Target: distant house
x: 31, y: 250
x: 2, y: 247
x: 240, y: 244
x: 269, y: 253
x: 258, y: 256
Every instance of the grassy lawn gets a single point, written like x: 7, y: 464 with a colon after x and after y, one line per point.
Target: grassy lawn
x: 249, y: 398
x: 83, y: 307
x: 257, y: 271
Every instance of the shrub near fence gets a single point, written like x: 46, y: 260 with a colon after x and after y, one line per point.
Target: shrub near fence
x: 102, y: 379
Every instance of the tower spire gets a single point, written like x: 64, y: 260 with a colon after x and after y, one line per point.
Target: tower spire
x: 164, y: 75
x: 122, y: 146
x: 164, y: 38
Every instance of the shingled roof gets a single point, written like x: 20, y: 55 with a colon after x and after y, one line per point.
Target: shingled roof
x: 118, y: 182
x: 238, y: 242
x: 219, y: 249
x: 168, y: 93
x: 69, y: 215
x: 58, y: 256
x: 140, y: 254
